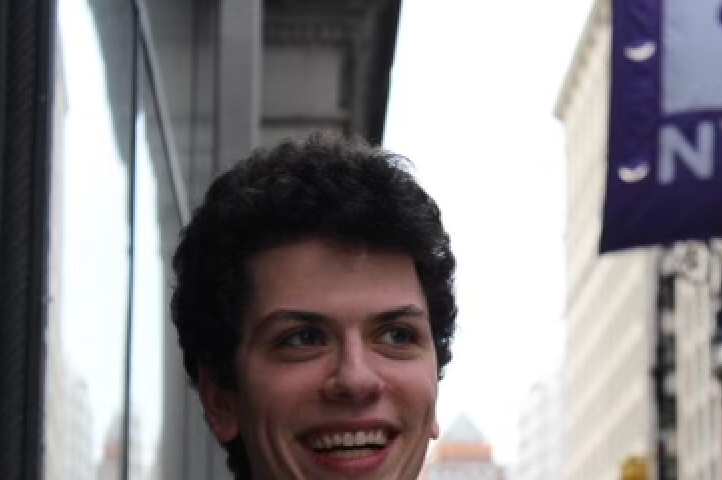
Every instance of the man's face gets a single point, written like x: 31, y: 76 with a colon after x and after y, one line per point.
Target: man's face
x: 336, y: 370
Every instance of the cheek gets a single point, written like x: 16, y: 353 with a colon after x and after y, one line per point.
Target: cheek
x: 414, y: 385
x: 282, y: 387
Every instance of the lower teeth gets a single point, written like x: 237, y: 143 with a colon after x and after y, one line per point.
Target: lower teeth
x: 351, y: 453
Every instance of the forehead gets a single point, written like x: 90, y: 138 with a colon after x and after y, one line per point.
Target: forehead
x: 320, y: 274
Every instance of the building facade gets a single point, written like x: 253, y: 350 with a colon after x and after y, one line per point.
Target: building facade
x: 609, y: 412
x: 151, y: 100
x: 613, y: 320
x: 78, y: 431
x: 698, y: 441
x: 462, y: 453
x: 540, y: 438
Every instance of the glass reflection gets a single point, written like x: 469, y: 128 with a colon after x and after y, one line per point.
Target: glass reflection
x: 157, y: 225
x: 89, y: 240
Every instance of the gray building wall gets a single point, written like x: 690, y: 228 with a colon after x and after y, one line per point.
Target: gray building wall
x: 208, y: 78
x: 219, y: 78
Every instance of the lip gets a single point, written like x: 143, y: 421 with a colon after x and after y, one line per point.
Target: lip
x: 350, y: 465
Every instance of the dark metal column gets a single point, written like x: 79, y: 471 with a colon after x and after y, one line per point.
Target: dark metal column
x: 663, y: 374
x: 27, y: 36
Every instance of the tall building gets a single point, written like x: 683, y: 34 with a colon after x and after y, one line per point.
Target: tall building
x: 611, y: 313
x: 110, y: 462
x: 540, y: 438
x: 609, y: 409
x: 699, y: 421
x: 462, y: 453
x: 78, y: 430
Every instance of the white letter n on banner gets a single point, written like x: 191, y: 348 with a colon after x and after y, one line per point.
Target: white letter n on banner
x: 698, y: 158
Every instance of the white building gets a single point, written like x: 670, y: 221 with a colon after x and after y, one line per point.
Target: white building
x: 110, y: 465
x: 79, y: 430
x: 68, y: 422
x: 610, y: 310
x: 540, y: 436
x: 609, y: 412
x: 699, y: 430
x: 462, y: 453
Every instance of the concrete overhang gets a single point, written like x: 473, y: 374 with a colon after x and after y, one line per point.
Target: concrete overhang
x: 363, y: 32
x: 365, y: 29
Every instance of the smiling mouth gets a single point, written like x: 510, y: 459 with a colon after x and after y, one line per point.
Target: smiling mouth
x: 350, y: 445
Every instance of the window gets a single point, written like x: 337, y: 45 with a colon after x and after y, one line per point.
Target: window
x: 109, y: 153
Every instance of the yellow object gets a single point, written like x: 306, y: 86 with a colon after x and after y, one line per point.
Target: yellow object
x: 635, y: 468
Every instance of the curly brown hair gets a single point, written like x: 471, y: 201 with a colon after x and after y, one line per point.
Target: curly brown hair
x: 341, y: 189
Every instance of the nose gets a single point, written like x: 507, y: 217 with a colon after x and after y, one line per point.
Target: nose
x: 354, y: 377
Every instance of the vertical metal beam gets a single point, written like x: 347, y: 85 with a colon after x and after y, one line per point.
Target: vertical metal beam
x: 27, y: 41
x: 4, y: 13
x: 664, y: 368
x: 125, y: 459
x: 238, y: 108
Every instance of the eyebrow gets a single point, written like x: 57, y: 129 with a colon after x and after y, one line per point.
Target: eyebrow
x: 406, y: 311
x: 291, y: 315
x: 315, y: 318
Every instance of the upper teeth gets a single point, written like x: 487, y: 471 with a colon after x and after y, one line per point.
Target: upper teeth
x: 350, y: 439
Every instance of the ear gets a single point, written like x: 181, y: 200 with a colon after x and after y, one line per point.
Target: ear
x: 435, y: 429
x: 220, y: 406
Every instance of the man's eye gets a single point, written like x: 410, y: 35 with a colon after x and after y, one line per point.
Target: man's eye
x: 306, y: 337
x: 400, y: 336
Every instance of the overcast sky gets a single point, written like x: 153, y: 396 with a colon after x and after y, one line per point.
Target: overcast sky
x: 474, y: 86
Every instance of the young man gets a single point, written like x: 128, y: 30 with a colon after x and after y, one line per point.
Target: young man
x: 315, y: 309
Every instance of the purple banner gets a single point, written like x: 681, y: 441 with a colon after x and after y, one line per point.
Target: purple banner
x: 664, y: 178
